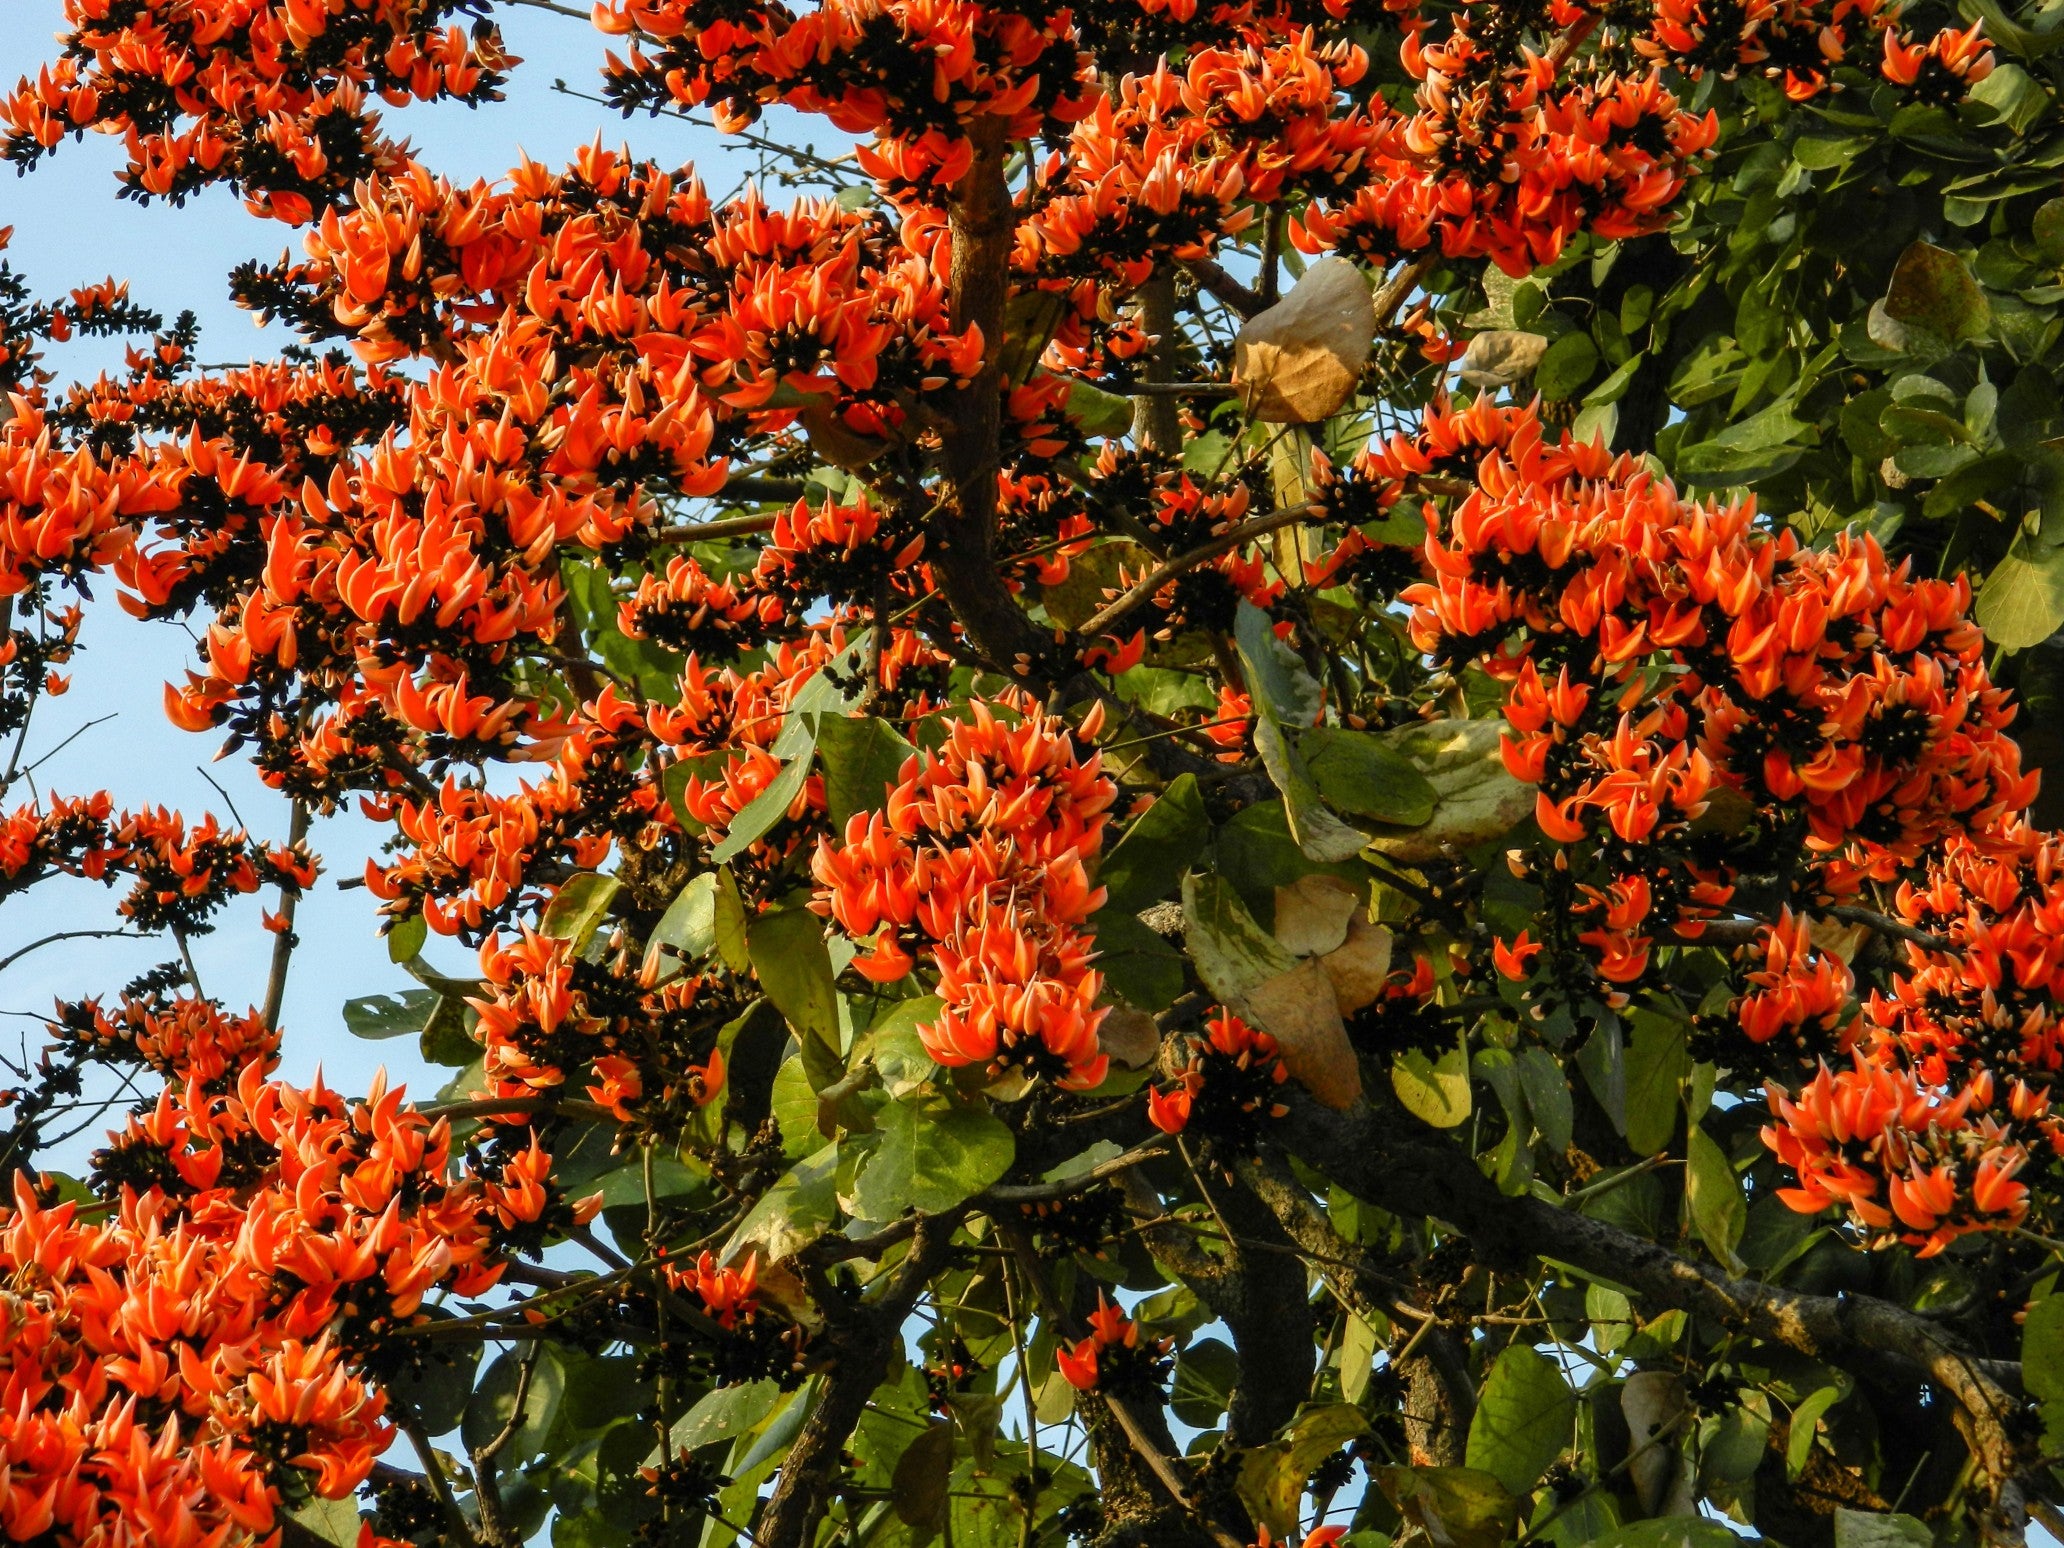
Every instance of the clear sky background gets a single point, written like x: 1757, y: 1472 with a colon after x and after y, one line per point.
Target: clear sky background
x: 71, y: 229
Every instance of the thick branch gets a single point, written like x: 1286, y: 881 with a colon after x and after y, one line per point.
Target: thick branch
x: 1213, y: 277
x: 962, y: 536
x: 865, y: 1341
x: 1381, y: 1159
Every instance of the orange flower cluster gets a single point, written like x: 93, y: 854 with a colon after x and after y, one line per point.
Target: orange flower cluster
x: 980, y: 860
x: 179, y: 875
x: 1111, y: 1357
x: 1846, y: 701
x: 201, y: 1357
x: 1227, y: 1085
x: 919, y: 73
x: 268, y: 96
x: 548, y: 1015
x: 1661, y: 654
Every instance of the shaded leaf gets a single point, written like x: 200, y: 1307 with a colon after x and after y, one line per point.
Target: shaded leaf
x: 929, y: 1158
x: 862, y: 757
x: 1524, y: 1419
x: 1163, y: 841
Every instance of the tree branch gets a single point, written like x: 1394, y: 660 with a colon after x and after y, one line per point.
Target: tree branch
x: 865, y: 1340
x: 283, y: 942
x: 1383, y: 1160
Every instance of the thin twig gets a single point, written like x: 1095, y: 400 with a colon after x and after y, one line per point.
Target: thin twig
x: 67, y: 935
x: 1101, y: 622
x: 1040, y: 1193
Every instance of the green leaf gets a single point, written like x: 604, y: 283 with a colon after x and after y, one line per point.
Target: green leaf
x: 863, y: 756
x: 1366, y: 776
x: 1138, y: 966
x: 1714, y: 1194
x: 578, y: 907
x: 930, y: 1157
x: 1204, y: 1376
x: 438, y: 1380
x: 494, y: 1402
x: 1932, y: 290
x: 1805, y: 1421
x: 898, y: 1052
x: 406, y: 938
x: 1732, y: 1443
x: 1746, y: 448
x: 922, y: 1477
x: 793, y: 1212
x: 1566, y: 366
x: 1657, y: 1063
x: 1872, y: 1529
x: 1435, y: 1093
x: 1671, y: 1532
x: 732, y: 944
x: 1272, y: 1477
x: 690, y: 923
x: 2042, y: 1364
x: 1524, y: 1420
x: 1233, y: 954
x: 1603, y: 1062
x: 1455, y: 1507
x: 1276, y: 677
x: 2022, y: 601
x: 1285, y: 694
x: 1099, y: 413
x: 1548, y: 1096
x: 334, y: 1521
x: 794, y: 967
x: 378, y: 1016
x: 1146, y: 864
x: 725, y: 1414
x: 765, y: 809
x: 1477, y: 799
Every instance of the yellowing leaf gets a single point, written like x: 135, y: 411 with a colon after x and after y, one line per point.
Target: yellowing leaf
x: 1434, y: 1093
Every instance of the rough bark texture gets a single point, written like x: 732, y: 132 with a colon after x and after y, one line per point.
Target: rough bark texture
x: 962, y: 536
x: 1391, y: 1161
x: 866, y: 1341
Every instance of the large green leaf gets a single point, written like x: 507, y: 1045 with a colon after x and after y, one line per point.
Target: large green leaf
x: 1272, y: 1477
x: 1204, y: 1375
x: 725, y: 1414
x: 1875, y: 1529
x: 862, y: 757
x: 1139, y: 966
x: 794, y: 967
x: 2042, y: 1364
x: 494, y: 1403
x: 578, y: 908
x: 1233, y: 954
x: 1284, y: 695
x: 1671, y: 1532
x: 1163, y: 842
x: 1477, y: 798
x: 1932, y: 290
x: 929, y: 1157
x: 758, y: 815
x: 1454, y: 1507
x: 1524, y: 1420
x: 401, y: 1014
x: 689, y: 924
x: 2022, y: 601
x: 1714, y: 1195
x: 1362, y: 774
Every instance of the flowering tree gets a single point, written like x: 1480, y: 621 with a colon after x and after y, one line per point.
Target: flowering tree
x: 1260, y: 794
